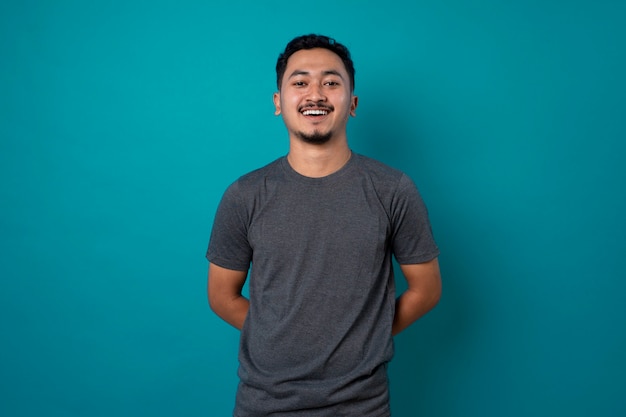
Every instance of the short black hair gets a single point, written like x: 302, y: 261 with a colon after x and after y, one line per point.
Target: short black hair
x: 310, y: 42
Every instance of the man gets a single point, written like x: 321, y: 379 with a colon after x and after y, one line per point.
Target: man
x: 319, y: 228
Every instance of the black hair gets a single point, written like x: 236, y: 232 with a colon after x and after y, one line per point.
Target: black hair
x: 310, y: 42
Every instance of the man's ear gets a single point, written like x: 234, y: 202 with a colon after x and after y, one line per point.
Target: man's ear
x: 277, y: 103
x: 353, y: 105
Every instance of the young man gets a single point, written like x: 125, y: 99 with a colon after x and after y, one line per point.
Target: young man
x: 319, y: 228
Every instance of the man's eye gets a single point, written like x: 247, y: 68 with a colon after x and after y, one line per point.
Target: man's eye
x: 299, y: 83
x: 332, y: 83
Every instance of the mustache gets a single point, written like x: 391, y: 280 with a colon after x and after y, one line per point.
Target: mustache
x: 318, y: 105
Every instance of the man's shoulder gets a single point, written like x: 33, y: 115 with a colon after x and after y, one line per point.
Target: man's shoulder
x: 379, y: 171
x: 260, y: 175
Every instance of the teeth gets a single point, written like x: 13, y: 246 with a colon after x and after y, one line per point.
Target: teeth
x: 315, y: 112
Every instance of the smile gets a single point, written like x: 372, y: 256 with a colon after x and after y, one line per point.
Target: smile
x: 315, y: 112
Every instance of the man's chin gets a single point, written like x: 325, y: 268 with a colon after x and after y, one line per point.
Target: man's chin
x: 315, y: 138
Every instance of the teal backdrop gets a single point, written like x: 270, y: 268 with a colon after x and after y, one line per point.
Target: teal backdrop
x: 122, y: 122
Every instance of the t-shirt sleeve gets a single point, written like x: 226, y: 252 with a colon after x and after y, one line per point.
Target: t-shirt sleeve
x: 229, y: 246
x: 412, y: 238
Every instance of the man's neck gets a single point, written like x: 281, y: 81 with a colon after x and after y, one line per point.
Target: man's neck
x: 318, y: 161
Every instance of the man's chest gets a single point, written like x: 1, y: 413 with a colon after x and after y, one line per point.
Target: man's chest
x: 348, y: 221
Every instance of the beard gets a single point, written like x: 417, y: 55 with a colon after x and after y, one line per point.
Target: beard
x: 315, y: 138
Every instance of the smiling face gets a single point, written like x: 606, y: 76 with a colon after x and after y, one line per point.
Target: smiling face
x: 315, y: 97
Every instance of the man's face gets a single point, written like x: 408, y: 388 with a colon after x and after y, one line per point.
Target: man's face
x: 315, y: 98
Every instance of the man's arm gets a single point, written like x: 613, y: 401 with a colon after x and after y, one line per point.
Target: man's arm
x: 225, y: 299
x: 422, y: 294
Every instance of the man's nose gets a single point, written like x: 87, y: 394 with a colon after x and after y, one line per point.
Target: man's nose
x: 316, y: 93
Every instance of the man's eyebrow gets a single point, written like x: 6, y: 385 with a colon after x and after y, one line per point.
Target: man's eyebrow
x: 298, y: 72
x: 326, y: 72
x: 332, y: 72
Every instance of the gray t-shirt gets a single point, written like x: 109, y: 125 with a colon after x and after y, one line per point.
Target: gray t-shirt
x: 317, y: 337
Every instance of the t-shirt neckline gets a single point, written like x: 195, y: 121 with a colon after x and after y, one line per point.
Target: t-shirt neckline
x: 293, y: 174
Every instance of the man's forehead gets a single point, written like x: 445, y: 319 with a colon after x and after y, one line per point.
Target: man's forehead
x: 318, y: 59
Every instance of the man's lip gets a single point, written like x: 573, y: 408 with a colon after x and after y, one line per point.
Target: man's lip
x: 309, y: 108
x: 315, y: 112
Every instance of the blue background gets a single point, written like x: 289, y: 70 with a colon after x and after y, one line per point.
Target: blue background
x: 122, y: 122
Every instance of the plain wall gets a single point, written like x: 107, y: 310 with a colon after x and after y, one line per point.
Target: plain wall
x: 122, y: 122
